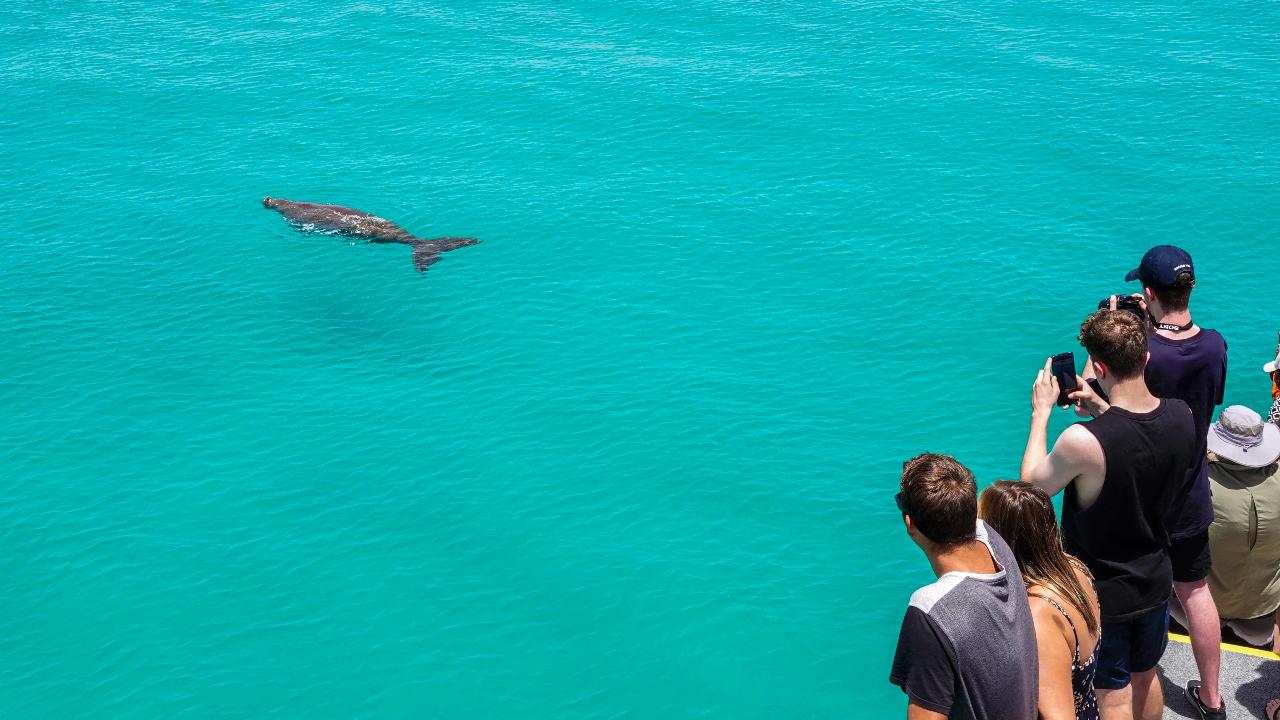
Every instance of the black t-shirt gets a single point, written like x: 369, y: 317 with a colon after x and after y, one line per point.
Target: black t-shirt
x: 1193, y: 370
x: 967, y: 647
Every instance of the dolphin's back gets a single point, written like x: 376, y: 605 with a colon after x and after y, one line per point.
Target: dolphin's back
x: 289, y: 208
x: 342, y: 219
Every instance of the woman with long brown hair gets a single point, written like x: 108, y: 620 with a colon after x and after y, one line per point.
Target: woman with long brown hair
x: 1060, y: 591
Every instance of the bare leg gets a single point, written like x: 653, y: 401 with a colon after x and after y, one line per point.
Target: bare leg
x: 1206, y: 636
x: 1148, y: 696
x: 1275, y: 641
x: 1175, y: 611
x: 1116, y: 704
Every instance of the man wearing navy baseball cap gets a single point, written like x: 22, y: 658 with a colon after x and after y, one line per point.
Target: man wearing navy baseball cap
x: 1163, y: 267
x: 1188, y: 363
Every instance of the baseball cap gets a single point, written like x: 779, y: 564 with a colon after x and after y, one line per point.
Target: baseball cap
x: 1160, y: 267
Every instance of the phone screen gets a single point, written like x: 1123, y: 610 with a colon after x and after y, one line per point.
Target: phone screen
x: 1063, y: 368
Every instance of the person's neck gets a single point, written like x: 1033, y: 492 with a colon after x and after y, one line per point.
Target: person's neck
x: 971, y: 557
x: 1132, y: 394
x: 1172, y: 317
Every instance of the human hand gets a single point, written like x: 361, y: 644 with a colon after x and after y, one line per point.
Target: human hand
x: 1088, y: 403
x: 1044, y: 392
x: 1137, y: 296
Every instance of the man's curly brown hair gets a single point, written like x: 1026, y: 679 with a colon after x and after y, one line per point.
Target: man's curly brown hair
x: 1117, y: 339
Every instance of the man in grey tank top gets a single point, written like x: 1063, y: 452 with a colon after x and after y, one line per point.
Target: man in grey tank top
x: 967, y: 647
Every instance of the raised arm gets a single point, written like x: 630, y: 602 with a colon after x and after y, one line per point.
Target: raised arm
x: 1073, y: 456
x: 1074, y: 452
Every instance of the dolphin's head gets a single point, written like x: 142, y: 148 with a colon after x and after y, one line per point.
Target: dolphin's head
x: 269, y: 202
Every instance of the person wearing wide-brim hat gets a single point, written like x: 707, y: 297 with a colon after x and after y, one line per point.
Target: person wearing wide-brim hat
x: 1273, y: 369
x: 1244, y: 539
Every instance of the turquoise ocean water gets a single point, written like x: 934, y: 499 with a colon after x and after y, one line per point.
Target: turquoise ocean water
x: 634, y: 455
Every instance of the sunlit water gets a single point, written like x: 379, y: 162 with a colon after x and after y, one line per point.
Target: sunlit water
x: 632, y: 456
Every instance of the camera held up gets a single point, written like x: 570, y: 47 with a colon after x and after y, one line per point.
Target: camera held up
x: 1128, y: 303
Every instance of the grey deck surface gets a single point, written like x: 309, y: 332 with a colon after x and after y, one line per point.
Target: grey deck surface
x: 1248, y: 682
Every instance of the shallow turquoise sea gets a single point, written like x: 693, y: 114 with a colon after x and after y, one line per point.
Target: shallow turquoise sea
x: 632, y: 456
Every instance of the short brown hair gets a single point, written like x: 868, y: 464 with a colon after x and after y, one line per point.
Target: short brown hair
x: 1117, y: 339
x: 1178, y: 296
x: 941, y: 498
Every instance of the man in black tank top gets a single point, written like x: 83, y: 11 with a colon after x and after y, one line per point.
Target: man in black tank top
x: 1114, y: 471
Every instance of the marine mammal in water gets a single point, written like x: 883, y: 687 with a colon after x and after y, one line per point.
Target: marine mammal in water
x: 360, y: 224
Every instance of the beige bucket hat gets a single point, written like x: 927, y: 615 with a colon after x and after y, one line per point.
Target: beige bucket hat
x: 1241, y: 437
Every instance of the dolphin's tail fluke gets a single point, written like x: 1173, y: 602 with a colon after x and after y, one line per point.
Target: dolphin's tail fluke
x: 427, y: 252
x: 424, y: 256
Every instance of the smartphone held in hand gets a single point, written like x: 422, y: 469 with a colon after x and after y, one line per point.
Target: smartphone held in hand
x: 1063, y: 367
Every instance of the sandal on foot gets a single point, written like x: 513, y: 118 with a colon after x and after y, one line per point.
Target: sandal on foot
x: 1192, y: 693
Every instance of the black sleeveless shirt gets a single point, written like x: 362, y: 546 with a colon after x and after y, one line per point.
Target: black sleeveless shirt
x: 1122, y: 537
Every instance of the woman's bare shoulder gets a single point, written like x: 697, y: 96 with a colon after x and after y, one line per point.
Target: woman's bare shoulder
x: 1048, y: 619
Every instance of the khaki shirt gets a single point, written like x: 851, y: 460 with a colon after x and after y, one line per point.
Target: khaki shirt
x: 1245, y: 540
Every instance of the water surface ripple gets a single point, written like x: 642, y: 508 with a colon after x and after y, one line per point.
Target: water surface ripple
x: 633, y: 456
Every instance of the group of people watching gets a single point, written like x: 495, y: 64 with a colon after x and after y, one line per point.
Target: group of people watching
x: 1164, y: 513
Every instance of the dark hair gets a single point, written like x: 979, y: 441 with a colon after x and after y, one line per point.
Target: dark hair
x: 1176, y: 297
x: 942, y: 498
x: 1118, y: 340
x: 1023, y: 515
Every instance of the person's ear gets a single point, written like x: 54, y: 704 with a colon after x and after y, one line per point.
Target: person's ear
x: 1148, y: 360
x: 1148, y: 294
x: 1100, y: 369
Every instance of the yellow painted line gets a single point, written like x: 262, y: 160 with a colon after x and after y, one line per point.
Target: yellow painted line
x: 1264, y: 654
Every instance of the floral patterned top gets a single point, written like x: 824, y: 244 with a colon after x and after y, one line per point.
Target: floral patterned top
x: 1086, y: 698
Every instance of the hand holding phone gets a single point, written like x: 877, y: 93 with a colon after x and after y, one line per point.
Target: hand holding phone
x: 1063, y: 368
x: 1097, y: 390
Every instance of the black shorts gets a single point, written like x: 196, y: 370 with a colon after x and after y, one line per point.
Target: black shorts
x: 1131, y: 646
x: 1190, y: 557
